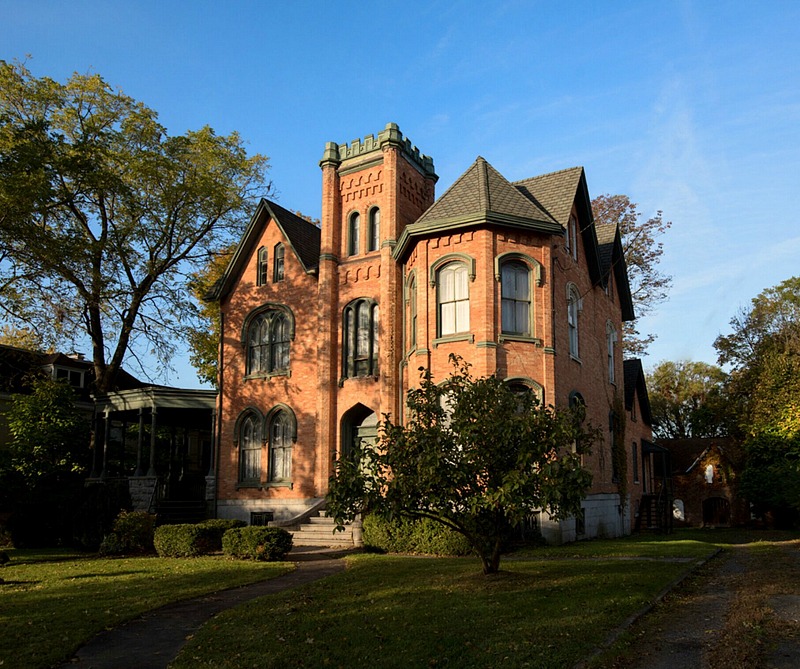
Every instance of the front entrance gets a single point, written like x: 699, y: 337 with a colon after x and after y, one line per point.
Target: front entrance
x: 716, y: 511
x: 359, y: 424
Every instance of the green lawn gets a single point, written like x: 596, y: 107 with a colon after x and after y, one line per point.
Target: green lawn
x: 549, y: 607
x: 54, y: 601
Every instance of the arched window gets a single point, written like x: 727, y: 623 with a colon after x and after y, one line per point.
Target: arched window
x: 280, y: 448
x: 573, y: 308
x: 611, y: 342
x: 515, y: 308
x: 452, y: 297
x: 374, y: 234
x: 261, y: 274
x: 277, y: 272
x: 360, y: 338
x: 268, y: 337
x: 354, y: 234
x: 249, y: 435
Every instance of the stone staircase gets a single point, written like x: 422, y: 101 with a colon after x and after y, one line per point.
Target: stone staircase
x: 319, y: 531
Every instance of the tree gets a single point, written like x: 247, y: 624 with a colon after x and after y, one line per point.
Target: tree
x: 204, y: 339
x: 642, y: 252
x: 102, y: 214
x: 474, y: 456
x: 688, y: 400
x: 49, y: 434
x: 764, y: 352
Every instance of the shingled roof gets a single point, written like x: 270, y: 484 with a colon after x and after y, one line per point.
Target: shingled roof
x: 612, y: 259
x: 481, y: 192
x: 554, y: 192
x: 635, y: 386
x: 303, y: 239
x: 480, y: 196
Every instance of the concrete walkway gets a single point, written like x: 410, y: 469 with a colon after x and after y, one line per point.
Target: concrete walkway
x: 155, y: 639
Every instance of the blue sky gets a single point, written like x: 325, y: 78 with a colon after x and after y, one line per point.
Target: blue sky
x: 692, y: 107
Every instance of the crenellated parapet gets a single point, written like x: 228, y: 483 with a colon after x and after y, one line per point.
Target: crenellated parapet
x: 362, y: 148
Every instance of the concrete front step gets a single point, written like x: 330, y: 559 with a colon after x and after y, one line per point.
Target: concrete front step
x: 319, y: 531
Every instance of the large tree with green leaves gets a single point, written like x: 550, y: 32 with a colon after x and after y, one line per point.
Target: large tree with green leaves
x: 642, y: 251
x: 474, y: 456
x: 764, y: 352
x: 688, y: 399
x: 103, y: 214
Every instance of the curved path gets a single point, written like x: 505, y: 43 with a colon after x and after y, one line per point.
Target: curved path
x: 155, y: 639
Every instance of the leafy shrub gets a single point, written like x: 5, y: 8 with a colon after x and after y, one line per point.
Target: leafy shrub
x: 182, y: 540
x: 424, y: 536
x: 216, y: 527
x: 257, y: 543
x: 132, y: 533
x: 98, y: 506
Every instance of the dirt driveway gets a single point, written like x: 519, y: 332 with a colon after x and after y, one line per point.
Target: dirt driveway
x: 740, y: 611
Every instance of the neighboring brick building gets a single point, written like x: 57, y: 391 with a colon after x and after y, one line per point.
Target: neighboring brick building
x: 705, y: 478
x: 324, y: 329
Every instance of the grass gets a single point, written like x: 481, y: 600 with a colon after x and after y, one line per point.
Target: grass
x: 549, y: 607
x: 53, y: 601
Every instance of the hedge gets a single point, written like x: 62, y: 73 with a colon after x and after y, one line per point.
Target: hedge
x: 216, y: 528
x: 183, y: 540
x: 257, y: 543
x: 423, y: 536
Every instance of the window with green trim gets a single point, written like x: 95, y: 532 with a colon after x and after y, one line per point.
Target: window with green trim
x: 250, y: 449
x: 515, y: 308
x: 374, y: 232
x: 268, y: 343
x: 280, y: 448
x: 452, y: 299
x: 360, y: 338
x: 354, y: 234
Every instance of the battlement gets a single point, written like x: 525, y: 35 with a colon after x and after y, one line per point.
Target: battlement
x: 359, y: 148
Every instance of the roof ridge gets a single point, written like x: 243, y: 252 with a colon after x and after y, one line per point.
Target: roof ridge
x: 548, y: 174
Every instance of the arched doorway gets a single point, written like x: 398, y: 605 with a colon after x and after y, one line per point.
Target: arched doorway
x: 716, y: 511
x: 358, y: 423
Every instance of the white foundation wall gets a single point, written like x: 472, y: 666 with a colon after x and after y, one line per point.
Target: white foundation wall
x: 602, y: 518
x: 282, y: 509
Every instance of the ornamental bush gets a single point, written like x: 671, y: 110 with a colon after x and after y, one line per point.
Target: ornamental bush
x: 257, y: 543
x: 216, y: 528
x: 182, y: 540
x: 132, y: 533
x: 422, y: 536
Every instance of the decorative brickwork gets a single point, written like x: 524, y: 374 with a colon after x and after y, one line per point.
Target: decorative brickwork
x: 344, y: 373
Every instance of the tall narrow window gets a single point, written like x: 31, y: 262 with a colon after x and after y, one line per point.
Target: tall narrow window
x: 277, y: 273
x: 250, y: 449
x: 453, y: 299
x: 412, y: 313
x: 360, y: 338
x: 354, y: 236
x: 516, y: 298
x: 571, y: 237
x: 280, y: 448
x: 573, y: 306
x: 268, y: 339
x: 261, y: 277
x: 374, y: 239
x: 611, y: 342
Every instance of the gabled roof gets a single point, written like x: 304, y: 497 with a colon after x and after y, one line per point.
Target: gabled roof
x: 686, y: 454
x: 636, y: 387
x: 302, y: 237
x: 612, y: 259
x: 556, y: 192
x: 480, y: 196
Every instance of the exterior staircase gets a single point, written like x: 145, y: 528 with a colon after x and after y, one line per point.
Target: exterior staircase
x: 319, y: 531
